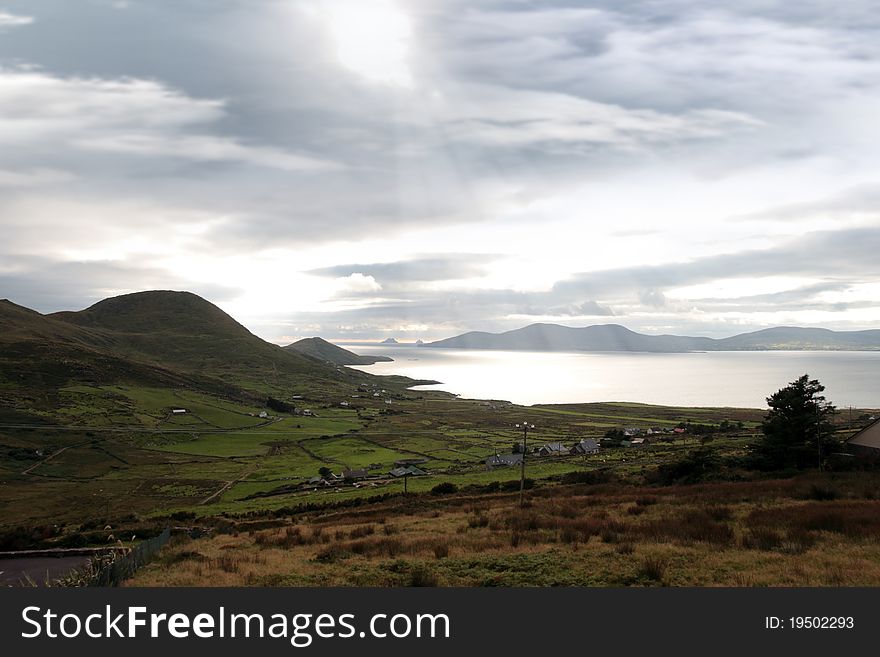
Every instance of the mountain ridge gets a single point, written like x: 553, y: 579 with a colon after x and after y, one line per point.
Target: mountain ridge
x: 618, y: 338
x: 321, y: 348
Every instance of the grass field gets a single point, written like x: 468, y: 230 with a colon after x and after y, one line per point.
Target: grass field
x: 806, y: 531
x: 117, y: 456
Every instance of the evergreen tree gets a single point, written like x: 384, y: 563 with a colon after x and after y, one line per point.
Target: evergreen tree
x: 797, y: 428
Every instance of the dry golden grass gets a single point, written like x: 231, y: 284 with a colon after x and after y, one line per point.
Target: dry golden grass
x: 766, y: 533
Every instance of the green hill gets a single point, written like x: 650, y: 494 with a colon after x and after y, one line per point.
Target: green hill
x: 185, y: 332
x: 148, y: 340
x: 320, y: 348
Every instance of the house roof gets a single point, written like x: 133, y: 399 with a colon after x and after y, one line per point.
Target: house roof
x: 354, y: 474
x: 586, y: 445
x: 867, y: 437
x: 411, y: 471
x: 554, y: 447
x: 504, y: 459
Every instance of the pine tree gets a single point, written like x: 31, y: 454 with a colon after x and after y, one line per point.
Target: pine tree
x: 797, y: 428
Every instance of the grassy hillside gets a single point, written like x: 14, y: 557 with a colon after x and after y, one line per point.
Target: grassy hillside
x: 805, y: 531
x: 183, y: 331
x: 326, y: 351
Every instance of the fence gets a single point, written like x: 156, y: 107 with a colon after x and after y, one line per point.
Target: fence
x: 112, y: 568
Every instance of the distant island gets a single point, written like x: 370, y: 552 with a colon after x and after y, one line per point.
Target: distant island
x: 389, y: 341
x: 614, y: 337
x: 326, y: 351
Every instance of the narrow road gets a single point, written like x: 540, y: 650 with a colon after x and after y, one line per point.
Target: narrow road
x: 50, y: 457
x: 227, y: 486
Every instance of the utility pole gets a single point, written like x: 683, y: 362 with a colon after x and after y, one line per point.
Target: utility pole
x: 525, y: 426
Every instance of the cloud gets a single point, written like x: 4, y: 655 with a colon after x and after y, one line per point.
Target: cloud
x: 34, y: 177
x: 130, y: 116
x: 437, y: 268
x: 627, y: 149
x: 13, y: 20
x: 49, y: 285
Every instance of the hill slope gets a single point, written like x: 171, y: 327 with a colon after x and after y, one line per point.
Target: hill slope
x: 323, y: 350
x: 613, y: 337
x: 150, y: 339
x: 183, y: 331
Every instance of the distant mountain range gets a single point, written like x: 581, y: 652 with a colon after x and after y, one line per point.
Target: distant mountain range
x: 614, y: 337
x: 326, y: 351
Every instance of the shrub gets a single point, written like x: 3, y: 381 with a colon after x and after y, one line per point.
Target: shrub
x: 513, y: 485
x: 653, y: 568
x: 478, y: 520
x: 422, y: 576
x: 445, y: 488
x: 331, y: 554
x: 360, y: 532
x: 821, y: 493
x: 762, y: 539
x: 587, y: 477
x: 441, y: 550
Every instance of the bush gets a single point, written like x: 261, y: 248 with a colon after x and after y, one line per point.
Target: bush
x: 821, y: 493
x: 653, y: 568
x: 445, y: 488
x: 762, y: 539
x: 513, y: 485
x: 588, y: 477
x: 422, y: 576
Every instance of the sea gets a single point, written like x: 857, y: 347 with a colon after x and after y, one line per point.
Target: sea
x: 741, y: 379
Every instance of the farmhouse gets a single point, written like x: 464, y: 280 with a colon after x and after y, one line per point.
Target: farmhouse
x: 353, y: 475
x: 584, y: 447
x: 553, y: 449
x: 867, y: 441
x: 503, y: 460
x: 409, y: 471
x: 178, y: 411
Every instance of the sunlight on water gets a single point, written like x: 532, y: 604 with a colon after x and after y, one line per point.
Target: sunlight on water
x: 741, y: 379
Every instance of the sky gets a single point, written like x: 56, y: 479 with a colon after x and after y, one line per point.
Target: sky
x: 364, y: 169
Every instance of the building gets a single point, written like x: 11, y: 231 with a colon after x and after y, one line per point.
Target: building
x: 178, y: 411
x: 503, y: 460
x: 354, y: 475
x: 866, y: 443
x: 263, y: 414
x: 553, y: 449
x: 584, y: 447
x: 409, y: 471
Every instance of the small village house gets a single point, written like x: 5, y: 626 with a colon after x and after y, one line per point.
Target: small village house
x: 866, y: 443
x: 584, y: 447
x: 503, y: 460
x: 354, y: 475
x: 553, y: 449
